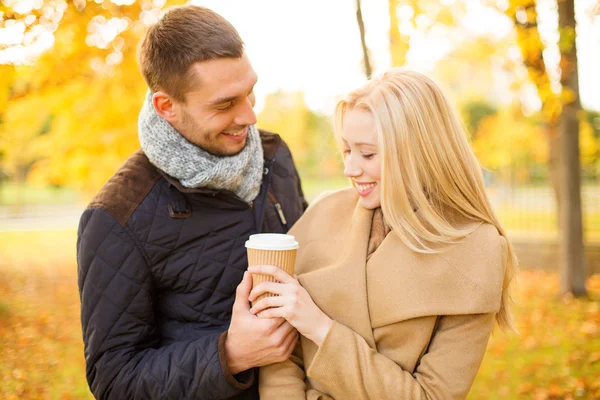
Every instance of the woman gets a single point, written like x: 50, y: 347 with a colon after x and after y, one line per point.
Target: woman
x: 402, y: 276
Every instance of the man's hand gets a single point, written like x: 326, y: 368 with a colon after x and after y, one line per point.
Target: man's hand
x: 252, y: 341
x: 291, y: 302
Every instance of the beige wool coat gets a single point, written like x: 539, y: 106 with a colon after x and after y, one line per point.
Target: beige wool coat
x: 406, y: 325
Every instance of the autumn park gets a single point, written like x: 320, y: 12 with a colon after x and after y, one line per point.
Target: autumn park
x: 522, y: 73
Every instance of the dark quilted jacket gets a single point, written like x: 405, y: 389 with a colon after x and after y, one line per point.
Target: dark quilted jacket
x: 158, y: 269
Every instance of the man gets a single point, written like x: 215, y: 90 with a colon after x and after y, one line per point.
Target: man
x: 161, y: 247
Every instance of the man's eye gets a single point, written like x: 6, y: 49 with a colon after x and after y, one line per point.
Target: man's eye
x: 225, y: 106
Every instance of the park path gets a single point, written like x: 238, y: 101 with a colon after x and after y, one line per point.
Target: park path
x: 40, y: 217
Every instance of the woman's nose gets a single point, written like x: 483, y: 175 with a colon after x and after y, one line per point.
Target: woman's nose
x: 351, y: 169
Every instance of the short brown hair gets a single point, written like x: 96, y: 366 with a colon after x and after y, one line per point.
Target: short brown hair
x: 183, y: 36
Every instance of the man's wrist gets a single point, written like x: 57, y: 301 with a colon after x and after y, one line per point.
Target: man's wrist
x: 233, y: 363
x: 239, y: 379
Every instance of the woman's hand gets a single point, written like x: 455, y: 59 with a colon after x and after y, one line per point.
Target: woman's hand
x: 292, y: 302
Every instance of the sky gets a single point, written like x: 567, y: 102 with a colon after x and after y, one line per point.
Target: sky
x: 314, y: 45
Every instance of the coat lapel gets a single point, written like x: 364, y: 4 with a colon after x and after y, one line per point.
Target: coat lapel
x: 465, y: 278
x: 341, y: 286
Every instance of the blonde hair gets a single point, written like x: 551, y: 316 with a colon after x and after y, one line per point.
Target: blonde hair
x: 427, y: 165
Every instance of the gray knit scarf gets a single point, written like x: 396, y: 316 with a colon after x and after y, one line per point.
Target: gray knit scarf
x: 194, y: 167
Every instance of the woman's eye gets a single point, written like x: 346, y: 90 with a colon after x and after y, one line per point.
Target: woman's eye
x: 368, y: 156
x: 346, y: 151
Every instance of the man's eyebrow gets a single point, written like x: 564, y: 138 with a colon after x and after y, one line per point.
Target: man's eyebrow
x: 227, y: 99
x: 222, y: 100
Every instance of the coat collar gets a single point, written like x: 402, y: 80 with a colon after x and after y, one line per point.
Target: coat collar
x: 344, y: 283
x: 397, y: 283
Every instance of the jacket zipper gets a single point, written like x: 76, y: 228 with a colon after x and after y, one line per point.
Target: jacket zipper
x: 279, y: 209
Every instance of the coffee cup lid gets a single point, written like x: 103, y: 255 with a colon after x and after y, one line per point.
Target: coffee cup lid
x: 271, y: 241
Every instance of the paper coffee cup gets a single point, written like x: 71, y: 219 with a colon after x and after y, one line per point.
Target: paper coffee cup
x: 271, y: 249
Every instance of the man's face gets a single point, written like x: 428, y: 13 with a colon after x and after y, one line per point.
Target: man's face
x: 216, y: 115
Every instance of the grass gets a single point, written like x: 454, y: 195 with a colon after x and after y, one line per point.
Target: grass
x: 12, y: 193
x: 555, y: 356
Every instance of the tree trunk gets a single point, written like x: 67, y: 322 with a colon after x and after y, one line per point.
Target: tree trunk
x: 554, y: 149
x: 361, y: 27
x: 573, y: 272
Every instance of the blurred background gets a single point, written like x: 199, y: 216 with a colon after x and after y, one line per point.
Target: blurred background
x: 70, y: 92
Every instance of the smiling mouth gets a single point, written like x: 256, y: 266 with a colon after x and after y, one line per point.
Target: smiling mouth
x: 238, y: 133
x: 364, y: 189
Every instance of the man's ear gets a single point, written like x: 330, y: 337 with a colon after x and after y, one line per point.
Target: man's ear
x: 165, y: 106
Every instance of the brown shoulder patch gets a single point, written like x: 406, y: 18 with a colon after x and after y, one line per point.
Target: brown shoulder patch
x: 126, y: 189
x: 270, y: 143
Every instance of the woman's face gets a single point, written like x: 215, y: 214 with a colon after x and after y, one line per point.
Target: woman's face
x: 362, y: 161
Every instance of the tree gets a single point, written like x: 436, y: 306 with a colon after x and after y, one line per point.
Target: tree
x: 561, y: 112
x: 309, y: 133
x: 365, y: 50
x: 399, y: 44
x: 474, y: 112
x: 573, y: 272
x: 20, y: 128
x: 88, y: 85
x: 418, y: 15
x: 509, y: 143
x: 524, y: 15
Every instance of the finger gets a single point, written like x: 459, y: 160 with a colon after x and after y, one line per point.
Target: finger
x: 243, y: 292
x: 286, y: 328
x: 271, y: 270
x: 276, y: 312
x: 282, y: 337
x: 272, y: 324
x: 267, y: 287
x: 292, y: 344
x: 267, y: 302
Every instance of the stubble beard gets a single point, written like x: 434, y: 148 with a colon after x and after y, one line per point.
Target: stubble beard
x: 208, y: 142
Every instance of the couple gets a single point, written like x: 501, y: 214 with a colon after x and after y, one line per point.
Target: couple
x: 399, y: 278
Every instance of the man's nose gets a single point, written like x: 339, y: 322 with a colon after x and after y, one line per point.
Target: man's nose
x: 246, y: 115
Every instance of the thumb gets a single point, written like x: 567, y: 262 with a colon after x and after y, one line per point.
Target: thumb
x: 243, y: 292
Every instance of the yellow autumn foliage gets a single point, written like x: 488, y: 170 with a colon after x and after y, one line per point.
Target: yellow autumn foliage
x: 309, y: 134
x: 508, y: 140
x: 589, y: 146
x: 84, y: 96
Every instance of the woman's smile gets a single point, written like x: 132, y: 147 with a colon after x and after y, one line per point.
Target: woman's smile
x: 365, y: 188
